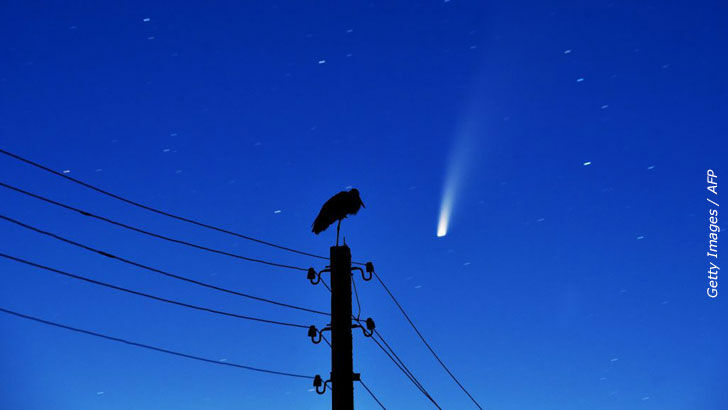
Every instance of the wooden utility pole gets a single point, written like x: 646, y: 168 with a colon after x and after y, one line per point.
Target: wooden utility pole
x: 342, y: 359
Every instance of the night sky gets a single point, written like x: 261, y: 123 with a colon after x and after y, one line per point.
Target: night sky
x: 571, y: 138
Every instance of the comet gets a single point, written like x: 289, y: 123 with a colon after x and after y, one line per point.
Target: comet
x: 444, y: 221
x: 457, y: 166
x: 448, y: 197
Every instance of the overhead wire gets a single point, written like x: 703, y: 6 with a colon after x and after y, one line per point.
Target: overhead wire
x: 371, y: 394
x: 156, y: 270
x: 146, y: 295
x: 208, y: 226
x: 399, y: 362
x: 356, y: 293
x: 149, y: 233
x: 155, y: 210
x: 149, y: 347
x: 398, y: 358
x: 401, y: 309
x: 409, y: 376
x: 323, y: 282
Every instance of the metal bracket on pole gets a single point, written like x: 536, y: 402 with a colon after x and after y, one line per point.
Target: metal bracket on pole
x: 313, y: 332
x: 315, y: 277
x: 370, y: 269
x: 370, y: 326
x: 363, y: 276
x: 318, y: 383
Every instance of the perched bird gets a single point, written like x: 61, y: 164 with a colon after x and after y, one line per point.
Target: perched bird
x: 337, y: 208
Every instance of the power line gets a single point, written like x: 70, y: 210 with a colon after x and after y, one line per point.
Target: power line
x: 149, y: 268
x: 323, y: 282
x: 208, y: 226
x: 425, y: 341
x: 372, y: 394
x: 358, y: 305
x: 174, y: 302
x: 157, y: 349
x: 399, y: 360
x: 155, y: 210
x: 402, y: 368
x: 400, y: 364
x: 152, y: 234
x: 408, y: 374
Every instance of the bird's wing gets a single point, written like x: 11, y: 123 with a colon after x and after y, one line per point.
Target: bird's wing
x: 329, y: 213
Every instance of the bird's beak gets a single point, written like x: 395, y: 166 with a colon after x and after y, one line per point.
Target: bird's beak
x: 362, y: 203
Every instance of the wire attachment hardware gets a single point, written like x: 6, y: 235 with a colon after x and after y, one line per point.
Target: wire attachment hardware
x: 370, y: 326
x: 363, y: 275
x: 318, y: 383
x: 370, y: 270
x: 311, y: 275
x: 315, y: 277
x: 313, y: 332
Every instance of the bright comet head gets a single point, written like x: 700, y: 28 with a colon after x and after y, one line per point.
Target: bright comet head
x: 445, y: 211
x: 442, y: 225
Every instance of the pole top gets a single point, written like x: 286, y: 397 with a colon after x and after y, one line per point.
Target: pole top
x: 340, y: 251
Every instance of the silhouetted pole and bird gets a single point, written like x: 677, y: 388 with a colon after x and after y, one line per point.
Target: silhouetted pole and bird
x: 338, y: 207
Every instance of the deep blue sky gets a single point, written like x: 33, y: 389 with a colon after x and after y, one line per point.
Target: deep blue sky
x: 560, y: 285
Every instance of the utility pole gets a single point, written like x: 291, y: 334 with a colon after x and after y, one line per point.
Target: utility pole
x: 342, y: 359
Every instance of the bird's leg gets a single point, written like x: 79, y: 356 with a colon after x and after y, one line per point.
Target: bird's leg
x: 338, y: 225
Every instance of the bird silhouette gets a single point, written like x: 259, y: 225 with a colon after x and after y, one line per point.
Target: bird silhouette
x: 338, y: 207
